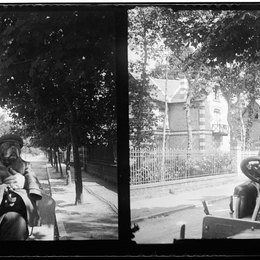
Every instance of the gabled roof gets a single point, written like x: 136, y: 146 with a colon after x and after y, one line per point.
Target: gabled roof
x: 176, y: 90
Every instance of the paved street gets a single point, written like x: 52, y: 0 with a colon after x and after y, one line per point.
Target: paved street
x: 164, y: 229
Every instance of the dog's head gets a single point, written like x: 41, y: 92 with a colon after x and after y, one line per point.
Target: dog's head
x: 10, y: 148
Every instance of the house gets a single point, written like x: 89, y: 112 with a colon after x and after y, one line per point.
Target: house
x: 208, y: 117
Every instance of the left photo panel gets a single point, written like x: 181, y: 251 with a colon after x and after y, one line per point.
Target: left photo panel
x: 58, y: 116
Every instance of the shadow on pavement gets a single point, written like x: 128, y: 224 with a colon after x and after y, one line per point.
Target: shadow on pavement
x: 143, y: 213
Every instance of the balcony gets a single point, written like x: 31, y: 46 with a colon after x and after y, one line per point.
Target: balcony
x: 220, y: 129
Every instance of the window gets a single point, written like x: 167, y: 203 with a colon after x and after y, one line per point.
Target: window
x: 217, y: 116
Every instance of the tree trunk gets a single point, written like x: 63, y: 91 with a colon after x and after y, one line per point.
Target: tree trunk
x: 56, y: 160
x: 249, y: 122
x: 189, y: 129
x: 241, y: 119
x: 77, y: 165
x: 165, y: 122
x: 230, y: 121
x: 50, y: 157
x: 229, y: 117
x: 190, y: 94
x: 188, y: 121
x: 59, y: 161
x: 144, y: 86
x: 68, y: 173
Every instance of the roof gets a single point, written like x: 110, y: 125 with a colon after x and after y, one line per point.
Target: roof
x: 176, y: 90
x: 258, y: 102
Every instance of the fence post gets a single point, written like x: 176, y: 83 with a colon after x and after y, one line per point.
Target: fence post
x: 163, y: 168
x: 235, y: 154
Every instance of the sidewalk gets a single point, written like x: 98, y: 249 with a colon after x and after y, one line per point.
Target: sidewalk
x: 95, y: 219
x: 153, y: 207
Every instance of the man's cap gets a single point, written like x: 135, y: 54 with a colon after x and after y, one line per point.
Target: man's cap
x: 11, y: 138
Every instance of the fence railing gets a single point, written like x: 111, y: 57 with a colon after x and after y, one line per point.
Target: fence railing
x: 146, y: 165
x: 245, y: 154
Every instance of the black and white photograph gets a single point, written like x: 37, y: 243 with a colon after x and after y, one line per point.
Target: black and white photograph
x: 58, y: 117
x: 129, y: 129
x: 194, y: 123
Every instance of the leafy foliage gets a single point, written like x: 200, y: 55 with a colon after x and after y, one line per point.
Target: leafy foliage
x: 59, y: 66
x: 220, y: 35
x: 142, y: 121
x: 141, y: 38
x: 204, y: 45
x: 239, y: 85
x: 57, y: 75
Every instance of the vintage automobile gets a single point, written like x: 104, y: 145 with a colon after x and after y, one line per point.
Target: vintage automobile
x: 245, y: 215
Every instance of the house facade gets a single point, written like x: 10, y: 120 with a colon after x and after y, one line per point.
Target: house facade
x: 208, y: 117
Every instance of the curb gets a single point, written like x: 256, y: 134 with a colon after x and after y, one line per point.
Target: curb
x: 162, y: 213
x: 62, y: 234
x: 176, y: 209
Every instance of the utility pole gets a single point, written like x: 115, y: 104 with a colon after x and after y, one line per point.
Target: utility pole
x: 165, y: 119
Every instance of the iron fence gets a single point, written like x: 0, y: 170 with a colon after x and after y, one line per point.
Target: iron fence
x: 245, y: 154
x: 146, y: 165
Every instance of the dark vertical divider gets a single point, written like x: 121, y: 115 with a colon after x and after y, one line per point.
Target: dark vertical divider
x: 122, y: 120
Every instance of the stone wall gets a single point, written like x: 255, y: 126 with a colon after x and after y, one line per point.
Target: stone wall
x: 107, y: 172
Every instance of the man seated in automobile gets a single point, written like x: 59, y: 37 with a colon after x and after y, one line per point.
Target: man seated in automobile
x: 19, y: 191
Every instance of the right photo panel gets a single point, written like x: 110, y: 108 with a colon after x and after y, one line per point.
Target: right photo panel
x: 194, y: 124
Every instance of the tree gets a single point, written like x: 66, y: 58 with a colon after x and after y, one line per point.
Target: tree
x: 235, y: 37
x: 222, y: 35
x: 57, y: 70
x: 218, y: 37
x: 141, y: 119
x: 162, y: 28
x: 201, y: 40
x: 228, y: 81
x: 239, y: 85
x: 251, y: 80
x: 186, y: 56
x: 142, y: 36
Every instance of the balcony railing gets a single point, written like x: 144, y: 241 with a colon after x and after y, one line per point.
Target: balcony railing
x: 220, y: 129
